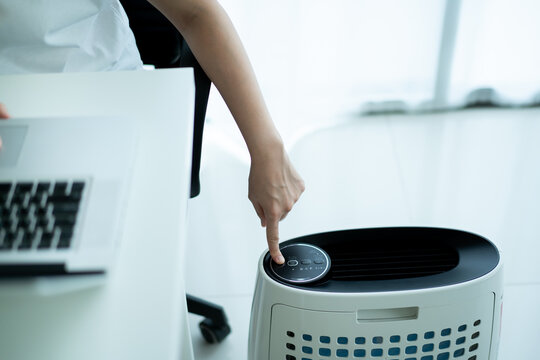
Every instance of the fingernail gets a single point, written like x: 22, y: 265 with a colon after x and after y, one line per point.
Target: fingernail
x: 280, y: 259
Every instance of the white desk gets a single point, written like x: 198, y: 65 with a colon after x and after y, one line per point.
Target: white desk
x: 139, y: 311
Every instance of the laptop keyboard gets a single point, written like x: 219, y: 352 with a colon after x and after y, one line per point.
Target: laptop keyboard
x: 38, y: 215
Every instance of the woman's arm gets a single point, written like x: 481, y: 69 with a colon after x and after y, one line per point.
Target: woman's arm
x: 274, y: 184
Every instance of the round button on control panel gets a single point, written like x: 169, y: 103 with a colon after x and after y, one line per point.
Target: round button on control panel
x: 304, y: 264
x: 292, y: 262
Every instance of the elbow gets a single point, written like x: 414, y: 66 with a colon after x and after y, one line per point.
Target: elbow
x: 187, y: 14
x: 183, y: 14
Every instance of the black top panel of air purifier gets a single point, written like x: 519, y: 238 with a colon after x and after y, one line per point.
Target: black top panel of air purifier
x: 392, y: 259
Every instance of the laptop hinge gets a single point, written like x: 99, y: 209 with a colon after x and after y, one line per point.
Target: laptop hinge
x: 27, y: 270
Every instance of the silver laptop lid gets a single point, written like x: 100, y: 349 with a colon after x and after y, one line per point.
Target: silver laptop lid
x: 63, y: 187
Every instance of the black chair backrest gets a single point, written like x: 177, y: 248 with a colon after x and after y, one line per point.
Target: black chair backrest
x: 160, y: 44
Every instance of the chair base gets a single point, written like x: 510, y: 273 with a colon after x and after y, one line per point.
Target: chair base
x: 215, y: 327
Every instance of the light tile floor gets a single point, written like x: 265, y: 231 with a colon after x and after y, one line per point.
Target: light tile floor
x: 476, y: 170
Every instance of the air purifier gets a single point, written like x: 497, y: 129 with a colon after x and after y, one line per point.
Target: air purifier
x: 407, y: 293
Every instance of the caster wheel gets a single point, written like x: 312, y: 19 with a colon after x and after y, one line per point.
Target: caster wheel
x: 214, y: 333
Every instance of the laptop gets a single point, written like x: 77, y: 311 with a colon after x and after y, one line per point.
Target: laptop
x: 64, y: 185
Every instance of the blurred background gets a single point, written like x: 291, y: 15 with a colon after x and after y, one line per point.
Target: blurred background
x: 395, y: 113
x: 320, y: 62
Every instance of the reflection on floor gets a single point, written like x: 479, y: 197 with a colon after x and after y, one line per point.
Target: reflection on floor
x: 474, y: 170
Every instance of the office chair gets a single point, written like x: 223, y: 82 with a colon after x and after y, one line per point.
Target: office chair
x: 161, y: 45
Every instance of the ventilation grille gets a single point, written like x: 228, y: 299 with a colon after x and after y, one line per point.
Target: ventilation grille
x: 392, y: 263
x: 461, y: 342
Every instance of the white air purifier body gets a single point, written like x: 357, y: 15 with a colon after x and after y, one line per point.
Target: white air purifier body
x: 406, y: 293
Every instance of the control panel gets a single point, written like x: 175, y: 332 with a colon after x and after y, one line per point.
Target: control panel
x: 304, y: 264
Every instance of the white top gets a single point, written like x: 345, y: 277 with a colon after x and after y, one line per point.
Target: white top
x: 40, y: 36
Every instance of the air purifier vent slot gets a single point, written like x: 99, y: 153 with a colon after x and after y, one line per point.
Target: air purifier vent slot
x: 441, y: 344
x: 387, y: 264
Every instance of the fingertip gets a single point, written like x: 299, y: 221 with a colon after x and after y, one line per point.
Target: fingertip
x: 279, y: 259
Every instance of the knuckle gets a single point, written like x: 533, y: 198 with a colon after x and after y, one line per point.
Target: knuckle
x: 274, y: 213
x: 289, y: 206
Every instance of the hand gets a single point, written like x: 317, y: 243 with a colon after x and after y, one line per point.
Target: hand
x: 3, y: 115
x: 274, y: 187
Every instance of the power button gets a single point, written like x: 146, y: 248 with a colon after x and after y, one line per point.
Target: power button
x: 292, y: 262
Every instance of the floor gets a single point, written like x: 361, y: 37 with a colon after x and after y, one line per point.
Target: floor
x: 474, y: 170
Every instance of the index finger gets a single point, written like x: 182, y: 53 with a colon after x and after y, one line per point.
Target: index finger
x: 272, y: 236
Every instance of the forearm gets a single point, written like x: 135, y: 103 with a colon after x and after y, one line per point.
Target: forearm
x: 216, y: 45
x: 274, y: 184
